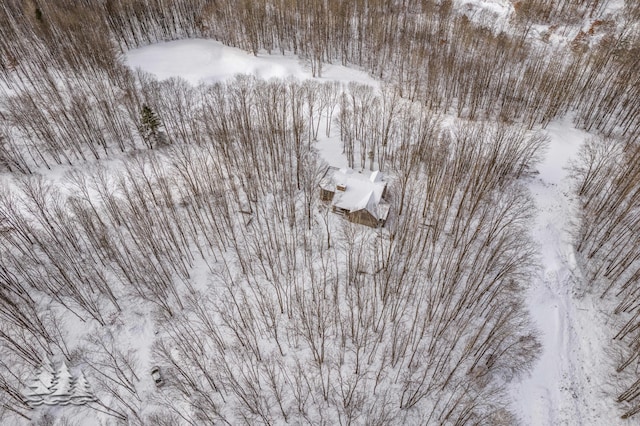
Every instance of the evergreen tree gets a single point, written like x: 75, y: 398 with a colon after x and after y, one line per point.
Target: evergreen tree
x: 150, y: 127
x: 82, y: 392
x: 41, y: 386
x: 38, y: 13
x: 62, y: 387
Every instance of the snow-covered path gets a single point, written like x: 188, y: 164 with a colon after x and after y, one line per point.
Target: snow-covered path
x: 560, y: 390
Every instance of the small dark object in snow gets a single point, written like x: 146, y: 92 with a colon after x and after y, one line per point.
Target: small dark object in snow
x: 157, y: 377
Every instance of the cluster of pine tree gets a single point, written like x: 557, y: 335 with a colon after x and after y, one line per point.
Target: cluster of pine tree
x: 58, y: 387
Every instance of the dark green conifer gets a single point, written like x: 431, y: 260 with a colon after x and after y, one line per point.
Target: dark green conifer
x: 150, y: 127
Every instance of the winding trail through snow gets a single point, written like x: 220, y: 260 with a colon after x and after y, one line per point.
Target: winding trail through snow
x: 557, y: 392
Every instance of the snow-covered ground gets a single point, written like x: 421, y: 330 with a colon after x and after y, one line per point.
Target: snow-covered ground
x: 563, y: 388
x: 209, y: 61
x: 499, y: 8
x: 488, y: 13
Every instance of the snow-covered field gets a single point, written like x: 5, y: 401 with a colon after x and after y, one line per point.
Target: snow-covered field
x: 563, y: 388
x: 209, y: 61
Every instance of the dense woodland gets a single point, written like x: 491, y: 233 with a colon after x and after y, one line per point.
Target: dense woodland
x: 194, y: 212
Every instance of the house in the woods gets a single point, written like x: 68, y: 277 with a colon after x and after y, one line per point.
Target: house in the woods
x: 359, y: 196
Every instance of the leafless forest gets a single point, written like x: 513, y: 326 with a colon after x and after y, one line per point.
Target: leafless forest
x: 609, y: 189
x: 191, y: 214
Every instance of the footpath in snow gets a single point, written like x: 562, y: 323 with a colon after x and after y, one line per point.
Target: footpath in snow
x: 562, y: 389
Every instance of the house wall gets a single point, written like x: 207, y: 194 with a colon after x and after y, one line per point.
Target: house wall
x: 363, y: 217
x: 340, y: 211
x: 326, y: 195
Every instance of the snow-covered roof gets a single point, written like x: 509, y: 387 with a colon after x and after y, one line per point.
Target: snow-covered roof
x: 362, y: 190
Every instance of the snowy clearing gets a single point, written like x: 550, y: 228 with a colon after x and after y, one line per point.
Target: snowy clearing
x: 209, y: 61
x: 499, y: 8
